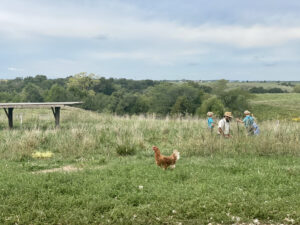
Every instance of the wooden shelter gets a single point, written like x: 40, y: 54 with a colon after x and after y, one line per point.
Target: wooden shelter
x: 55, y: 106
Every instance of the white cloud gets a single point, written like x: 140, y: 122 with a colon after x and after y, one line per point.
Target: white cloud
x: 77, y: 23
x: 112, y: 37
x: 154, y: 56
x: 14, y: 69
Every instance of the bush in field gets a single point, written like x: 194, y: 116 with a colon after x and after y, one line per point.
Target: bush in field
x: 32, y: 93
x: 81, y: 85
x: 57, y: 94
x: 123, y: 103
x: 257, y: 90
x: 219, y: 87
x: 297, y: 88
x: 105, y: 86
x: 10, y: 97
x: 182, y: 106
x: 236, y: 100
x: 212, y: 104
x: 276, y: 90
x: 261, y: 90
x: 98, y: 102
x: 131, y: 104
x: 163, y: 97
x: 125, y: 149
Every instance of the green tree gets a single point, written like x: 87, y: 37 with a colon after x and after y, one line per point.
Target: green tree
x: 212, y: 104
x: 105, y: 86
x: 297, y: 88
x: 220, y: 86
x: 99, y: 102
x: 131, y: 104
x: 236, y: 100
x: 163, y: 97
x: 81, y: 85
x: 182, y: 106
x: 57, y: 94
x: 32, y: 93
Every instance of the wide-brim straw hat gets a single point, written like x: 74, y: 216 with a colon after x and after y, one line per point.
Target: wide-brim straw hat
x: 210, y: 113
x: 228, y: 114
x: 247, y: 112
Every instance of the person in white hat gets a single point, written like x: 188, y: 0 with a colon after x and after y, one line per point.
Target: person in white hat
x: 210, y: 121
x: 248, y: 121
x: 224, y: 125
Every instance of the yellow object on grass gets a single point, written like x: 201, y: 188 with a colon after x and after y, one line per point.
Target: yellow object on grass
x: 296, y: 119
x: 42, y: 154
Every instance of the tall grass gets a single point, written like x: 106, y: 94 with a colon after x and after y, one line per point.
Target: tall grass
x: 83, y: 134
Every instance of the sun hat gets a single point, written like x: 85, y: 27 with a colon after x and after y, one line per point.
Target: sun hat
x: 247, y: 112
x: 210, y: 113
x: 228, y: 114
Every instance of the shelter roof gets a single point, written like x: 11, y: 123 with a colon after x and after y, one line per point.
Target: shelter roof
x: 37, y: 104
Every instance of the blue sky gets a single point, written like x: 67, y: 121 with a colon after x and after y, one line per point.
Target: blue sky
x: 158, y: 39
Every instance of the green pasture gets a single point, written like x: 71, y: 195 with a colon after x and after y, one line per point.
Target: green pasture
x: 265, y: 85
x: 276, y: 106
x: 112, y: 177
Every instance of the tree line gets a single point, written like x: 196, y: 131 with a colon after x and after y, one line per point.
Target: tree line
x: 124, y: 96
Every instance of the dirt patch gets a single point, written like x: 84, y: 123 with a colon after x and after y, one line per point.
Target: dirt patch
x: 67, y: 169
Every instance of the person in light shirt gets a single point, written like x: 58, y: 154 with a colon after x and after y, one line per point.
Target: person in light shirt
x: 224, y: 125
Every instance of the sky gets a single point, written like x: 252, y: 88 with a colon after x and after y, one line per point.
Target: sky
x: 157, y: 39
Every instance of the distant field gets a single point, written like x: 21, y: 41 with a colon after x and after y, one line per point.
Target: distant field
x: 250, y: 84
x: 113, y: 178
x: 267, y: 85
x: 276, y: 106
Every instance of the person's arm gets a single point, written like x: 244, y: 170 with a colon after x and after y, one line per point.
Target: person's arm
x: 239, y: 120
x: 221, y: 131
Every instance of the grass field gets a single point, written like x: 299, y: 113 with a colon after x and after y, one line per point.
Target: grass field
x: 266, y: 85
x: 276, y: 106
x: 113, y: 179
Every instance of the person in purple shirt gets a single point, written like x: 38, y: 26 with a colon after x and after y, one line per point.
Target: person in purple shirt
x: 256, y: 129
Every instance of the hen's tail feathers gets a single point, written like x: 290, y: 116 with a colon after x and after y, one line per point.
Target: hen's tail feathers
x: 177, y: 155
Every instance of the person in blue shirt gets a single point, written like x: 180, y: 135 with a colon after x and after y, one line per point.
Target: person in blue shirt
x: 210, y: 121
x: 248, y: 122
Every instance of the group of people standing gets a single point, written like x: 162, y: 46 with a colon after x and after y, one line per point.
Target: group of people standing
x: 224, y: 124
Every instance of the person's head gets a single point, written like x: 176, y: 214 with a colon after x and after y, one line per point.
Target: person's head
x: 246, y: 113
x: 228, y: 116
x: 210, y: 114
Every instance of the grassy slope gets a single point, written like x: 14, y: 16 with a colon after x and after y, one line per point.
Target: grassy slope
x: 281, y: 106
x: 215, y: 181
x: 276, y: 106
x: 268, y: 85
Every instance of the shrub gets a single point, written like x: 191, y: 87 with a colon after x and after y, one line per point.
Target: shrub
x: 297, y: 88
x: 212, y: 104
x: 260, y: 90
x: 124, y: 150
x: 236, y: 101
x: 275, y: 90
